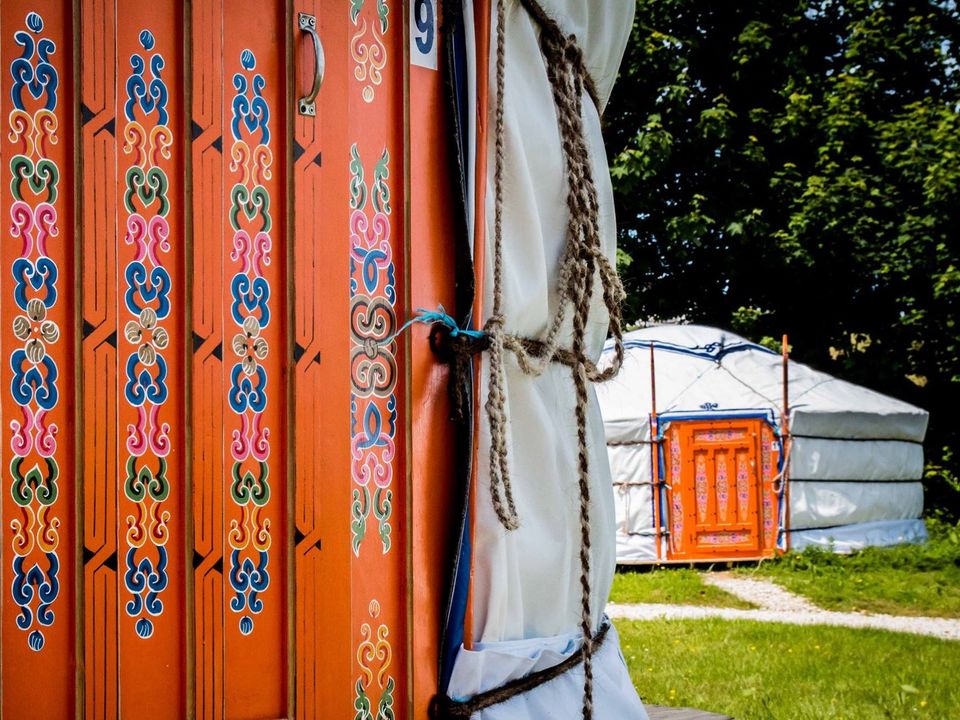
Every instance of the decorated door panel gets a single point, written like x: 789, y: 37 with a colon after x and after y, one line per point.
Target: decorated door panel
x: 37, y: 379
x: 720, y: 498
x: 349, y: 391
x: 208, y: 495
x: 239, y: 139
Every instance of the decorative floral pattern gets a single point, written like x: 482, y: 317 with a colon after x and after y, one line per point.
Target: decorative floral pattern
x: 676, y: 493
x: 743, y: 485
x: 147, y: 301
x: 719, y: 435
x: 251, y: 156
x: 373, y: 357
x: 34, y: 470
x: 723, y: 537
x: 369, y: 54
x: 700, y: 486
x: 723, y: 487
x: 766, y: 466
x: 374, y: 655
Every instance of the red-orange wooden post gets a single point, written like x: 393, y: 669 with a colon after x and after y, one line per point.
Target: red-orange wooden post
x: 786, y: 438
x: 431, y: 281
x: 655, y: 451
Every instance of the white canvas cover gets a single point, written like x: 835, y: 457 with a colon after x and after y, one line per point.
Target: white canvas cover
x: 849, y: 538
x: 856, y: 458
x: 526, y: 582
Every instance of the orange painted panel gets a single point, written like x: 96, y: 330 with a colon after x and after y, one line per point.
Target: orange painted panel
x: 98, y: 412
x: 720, y: 499
x: 207, y: 381
x: 254, y: 110
x: 37, y: 376
x: 150, y: 376
x: 376, y: 255
x: 349, y: 389
x: 431, y: 442
x: 321, y: 382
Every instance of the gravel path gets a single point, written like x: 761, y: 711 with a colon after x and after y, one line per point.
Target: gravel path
x: 779, y: 605
x: 764, y: 594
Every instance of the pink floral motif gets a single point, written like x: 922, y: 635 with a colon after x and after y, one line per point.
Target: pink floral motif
x: 33, y: 432
x: 766, y: 464
x: 252, y: 253
x: 714, y: 435
x: 723, y: 537
x: 767, y: 520
x: 743, y: 486
x: 26, y: 219
x: 149, y: 433
x: 371, y: 233
x: 700, y: 486
x: 676, y: 501
x: 250, y: 440
x: 148, y: 236
x: 373, y: 462
x: 723, y: 489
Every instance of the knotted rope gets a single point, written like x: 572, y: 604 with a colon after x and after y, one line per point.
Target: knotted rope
x: 582, y: 259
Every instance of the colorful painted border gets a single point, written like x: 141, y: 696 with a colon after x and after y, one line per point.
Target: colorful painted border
x: 147, y: 302
x: 373, y: 357
x: 251, y: 160
x: 369, y: 55
x: 34, y: 471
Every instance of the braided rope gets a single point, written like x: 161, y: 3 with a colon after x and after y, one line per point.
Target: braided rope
x: 496, y: 398
x: 583, y: 259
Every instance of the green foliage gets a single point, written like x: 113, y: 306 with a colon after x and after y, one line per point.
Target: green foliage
x: 794, y: 166
x: 766, y: 671
x: 673, y: 586
x: 903, y: 580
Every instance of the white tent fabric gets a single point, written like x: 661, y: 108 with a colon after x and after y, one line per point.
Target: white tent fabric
x: 850, y: 538
x: 525, y: 585
x: 856, y: 458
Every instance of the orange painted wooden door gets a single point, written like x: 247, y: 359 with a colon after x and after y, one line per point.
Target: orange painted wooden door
x: 206, y: 474
x: 720, y: 499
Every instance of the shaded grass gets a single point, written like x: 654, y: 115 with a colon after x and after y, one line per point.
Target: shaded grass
x: 902, y: 580
x: 764, y: 671
x: 674, y: 586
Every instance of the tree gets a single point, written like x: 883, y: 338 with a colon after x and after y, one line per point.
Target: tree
x: 794, y: 166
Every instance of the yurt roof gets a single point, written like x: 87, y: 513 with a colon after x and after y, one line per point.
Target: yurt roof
x: 705, y: 370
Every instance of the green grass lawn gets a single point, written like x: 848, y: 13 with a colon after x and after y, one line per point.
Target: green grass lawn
x: 675, y: 586
x: 903, y: 580
x: 764, y: 671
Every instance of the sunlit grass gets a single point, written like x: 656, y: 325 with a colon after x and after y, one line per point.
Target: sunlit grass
x: 764, y: 671
x: 902, y: 580
x: 675, y: 586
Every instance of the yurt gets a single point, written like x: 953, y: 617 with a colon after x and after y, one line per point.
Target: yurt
x: 722, y: 449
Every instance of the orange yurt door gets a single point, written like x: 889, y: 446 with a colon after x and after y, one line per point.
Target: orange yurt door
x: 720, y: 499
x: 208, y: 497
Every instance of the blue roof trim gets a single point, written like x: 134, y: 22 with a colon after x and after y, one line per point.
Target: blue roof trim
x: 767, y: 415
x: 714, y: 351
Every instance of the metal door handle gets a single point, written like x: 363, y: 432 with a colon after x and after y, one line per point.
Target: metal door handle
x: 307, y: 105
